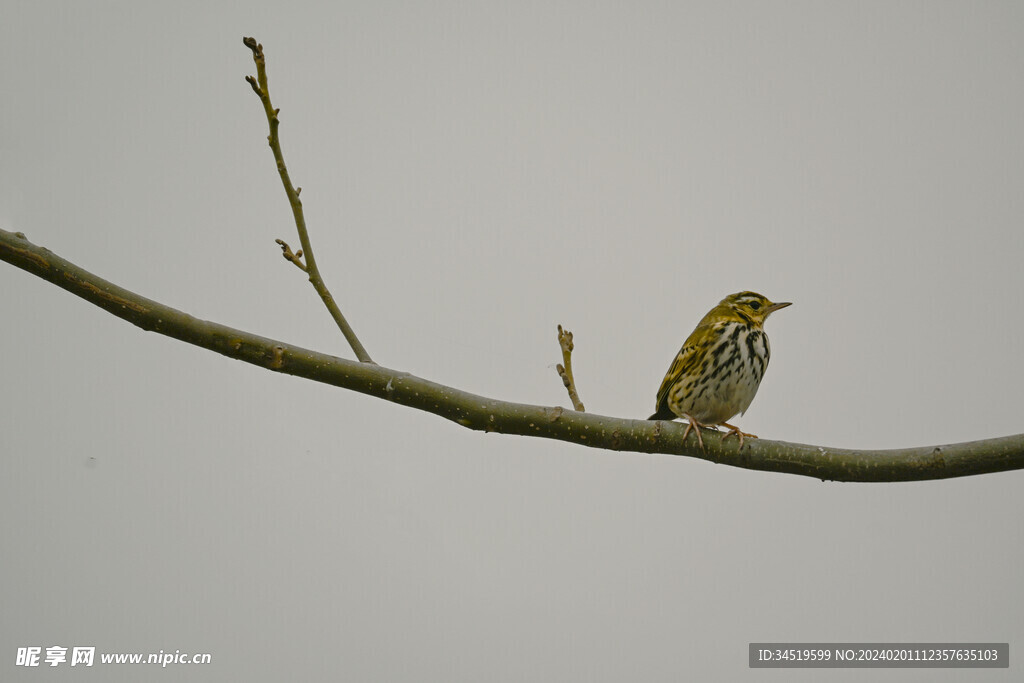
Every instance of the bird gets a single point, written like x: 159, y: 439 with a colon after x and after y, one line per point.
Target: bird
x: 715, y: 376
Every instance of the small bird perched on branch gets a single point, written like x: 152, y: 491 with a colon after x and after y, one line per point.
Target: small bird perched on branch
x: 716, y: 374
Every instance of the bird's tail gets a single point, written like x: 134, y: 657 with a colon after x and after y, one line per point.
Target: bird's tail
x: 664, y: 413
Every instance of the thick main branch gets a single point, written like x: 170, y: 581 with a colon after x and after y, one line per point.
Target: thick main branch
x: 492, y: 415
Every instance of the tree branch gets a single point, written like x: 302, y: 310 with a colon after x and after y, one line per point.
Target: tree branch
x: 491, y: 415
x: 259, y: 86
x: 565, y: 371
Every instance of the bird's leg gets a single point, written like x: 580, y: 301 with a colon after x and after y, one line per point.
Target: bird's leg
x: 737, y: 432
x: 695, y: 426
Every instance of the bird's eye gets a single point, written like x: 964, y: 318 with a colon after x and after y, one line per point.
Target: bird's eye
x: 755, y: 305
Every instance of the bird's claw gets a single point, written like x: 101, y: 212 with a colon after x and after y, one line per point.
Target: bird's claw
x: 692, y: 424
x: 739, y: 434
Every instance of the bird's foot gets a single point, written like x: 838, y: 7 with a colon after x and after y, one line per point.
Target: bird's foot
x: 695, y: 426
x: 737, y: 432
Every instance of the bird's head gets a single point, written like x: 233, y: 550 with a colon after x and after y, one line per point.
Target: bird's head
x: 750, y: 307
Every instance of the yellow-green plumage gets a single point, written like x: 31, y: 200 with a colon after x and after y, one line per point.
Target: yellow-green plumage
x: 717, y: 372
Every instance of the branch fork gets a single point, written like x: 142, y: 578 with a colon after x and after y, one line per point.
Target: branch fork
x: 295, y: 257
x: 302, y: 257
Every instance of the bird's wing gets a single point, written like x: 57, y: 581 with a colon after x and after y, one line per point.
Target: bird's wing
x: 688, y: 358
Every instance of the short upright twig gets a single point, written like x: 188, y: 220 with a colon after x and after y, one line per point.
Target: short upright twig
x: 259, y: 86
x: 565, y: 371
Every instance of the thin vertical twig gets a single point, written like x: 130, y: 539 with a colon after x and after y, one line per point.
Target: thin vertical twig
x: 303, y: 258
x: 565, y: 371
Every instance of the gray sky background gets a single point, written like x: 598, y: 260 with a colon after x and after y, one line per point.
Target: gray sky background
x: 473, y: 175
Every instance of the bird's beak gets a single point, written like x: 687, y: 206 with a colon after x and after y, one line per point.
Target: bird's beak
x: 775, y: 307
